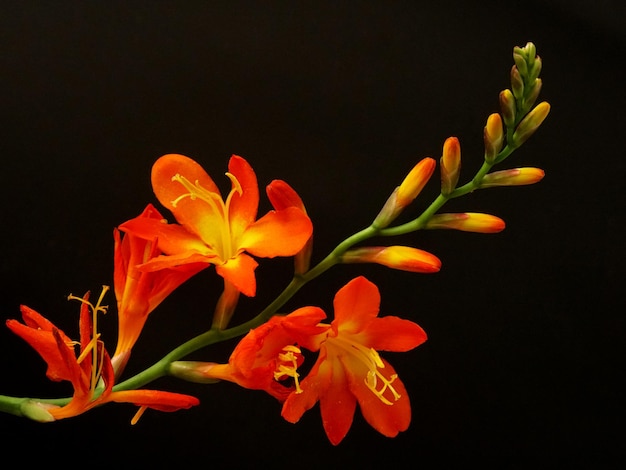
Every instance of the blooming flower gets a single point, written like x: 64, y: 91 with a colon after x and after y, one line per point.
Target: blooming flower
x: 90, y: 372
x: 264, y: 357
x: 348, y: 370
x: 138, y: 293
x: 223, y: 232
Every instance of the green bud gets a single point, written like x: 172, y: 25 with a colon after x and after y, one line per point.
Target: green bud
x: 517, y: 84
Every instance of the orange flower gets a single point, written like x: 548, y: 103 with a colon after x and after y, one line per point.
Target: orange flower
x: 350, y: 370
x: 90, y: 373
x: 264, y: 357
x: 215, y: 230
x: 138, y: 293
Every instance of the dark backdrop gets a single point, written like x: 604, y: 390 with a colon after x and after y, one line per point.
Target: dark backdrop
x: 526, y: 327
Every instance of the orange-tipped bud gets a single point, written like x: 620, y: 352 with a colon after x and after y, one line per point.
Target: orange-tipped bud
x: 404, y: 194
x: 493, y: 136
x: 507, y: 107
x: 467, y: 222
x: 530, y: 123
x: 450, y: 164
x: 403, y: 258
x: 415, y: 181
x: 512, y: 177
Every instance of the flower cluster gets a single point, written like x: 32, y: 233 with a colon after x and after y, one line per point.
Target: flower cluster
x: 341, y: 352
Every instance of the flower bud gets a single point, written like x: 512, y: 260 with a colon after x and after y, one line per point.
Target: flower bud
x: 450, y: 164
x: 512, y: 177
x: 404, y: 194
x: 530, y: 123
x: 403, y: 258
x: 517, y: 83
x: 467, y: 222
x: 493, y: 136
x: 532, y: 93
x: 507, y: 107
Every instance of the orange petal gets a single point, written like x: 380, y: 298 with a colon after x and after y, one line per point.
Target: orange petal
x: 244, y: 206
x: 393, y: 334
x: 356, y: 304
x: 277, y: 233
x: 191, y: 213
x: 337, y: 404
x: 171, y: 238
x: 388, y: 420
x: 240, y: 271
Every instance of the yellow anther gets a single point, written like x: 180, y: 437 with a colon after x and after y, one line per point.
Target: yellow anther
x: 138, y: 415
x: 289, y: 370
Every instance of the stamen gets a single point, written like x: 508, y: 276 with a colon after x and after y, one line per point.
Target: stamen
x: 289, y: 370
x: 373, y: 361
x: 138, y: 415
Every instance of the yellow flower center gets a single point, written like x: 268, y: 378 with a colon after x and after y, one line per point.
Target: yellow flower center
x: 289, y: 365
x: 224, y: 246
x: 375, y: 379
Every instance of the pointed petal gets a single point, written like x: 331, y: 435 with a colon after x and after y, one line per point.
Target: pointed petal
x: 196, y: 215
x: 171, y: 238
x: 313, y: 386
x: 155, y: 399
x: 356, y: 304
x: 172, y: 261
x: 386, y: 419
x: 277, y: 233
x: 337, y: 404
x: 244, y: 206
x: 240, y: 271
x: 393, y: 334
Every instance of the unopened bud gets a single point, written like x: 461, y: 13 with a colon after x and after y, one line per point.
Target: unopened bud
x: 493, y: 136
x: 404, y: 194
x: 403, y: 258
x: 450, y: 164
x: 507, y: 107
x: 530, y: 123
x: 517, y: 83
x: 467, y: 222
x: 532, y: 93
x: 512, y: 177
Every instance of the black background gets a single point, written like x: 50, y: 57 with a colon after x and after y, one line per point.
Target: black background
x: 525, y: 356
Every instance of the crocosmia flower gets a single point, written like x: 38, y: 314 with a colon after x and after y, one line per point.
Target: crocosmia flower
x: 137, y: 292
x: 220, y: 231
x: 349, y: 369
x: 90, y: 371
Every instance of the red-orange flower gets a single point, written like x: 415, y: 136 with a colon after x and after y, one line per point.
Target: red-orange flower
x: 90, y: 372
x: 137, y: 292
x: 264, y: 357
x: 223, y: 232
x: 350, y: 370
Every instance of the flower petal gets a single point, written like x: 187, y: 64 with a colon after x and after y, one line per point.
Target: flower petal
x: 393, y: 334
x: 171, y: 238
x: 356, y: 304
x: 337, y: 405
x: 191, y: 213
x: 277, y: 233
x: 244, y: 206
x: 240, y: 271
x: 387, y: 419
